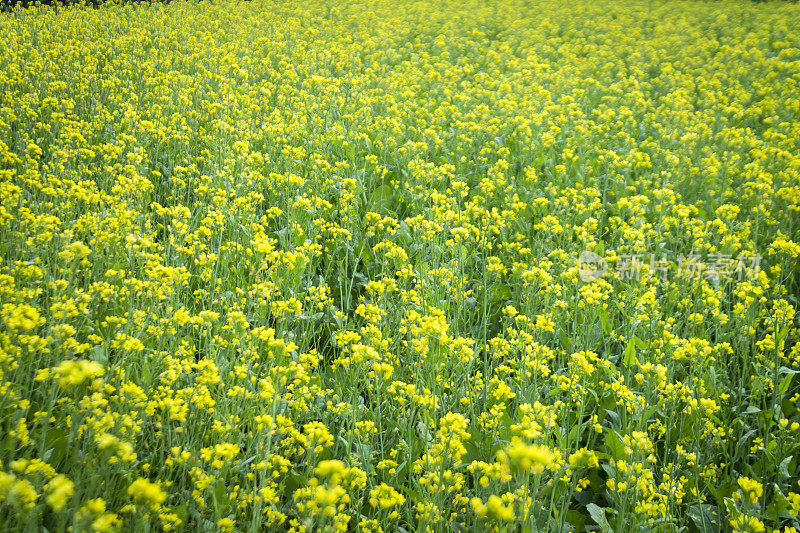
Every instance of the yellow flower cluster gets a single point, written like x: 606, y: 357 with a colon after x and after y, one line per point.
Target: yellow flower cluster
x: 320, y: 266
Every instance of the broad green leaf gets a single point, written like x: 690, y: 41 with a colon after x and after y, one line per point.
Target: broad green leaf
x: 705, y: 517
x: 382, y: 199
x: 784, y: 385
x: 604, y: 321
x: 615, y: 444
x: 598, y: 514
x: 629, y: 357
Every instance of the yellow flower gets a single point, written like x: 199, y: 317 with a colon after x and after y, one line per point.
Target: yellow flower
x: 60, y: 490
x: 493, y: 509
x: 226, y: 525
x: 751, y: 488
x: 106, y: 523
x: 747, y: 524
x: 72, y: 373
x: 333, y: 470
x: 384, y: 496
x: 21, y: 317
x: 583, y: 458
x: 17, y: 491
x: 147, y: 493
x: 528, y: 458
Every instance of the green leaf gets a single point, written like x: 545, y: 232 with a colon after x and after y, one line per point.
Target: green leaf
x: 629, y: 357
x: 504, y: 427
x: 413, y: 495
x: 499, y: 293
x: 424, y: 432
x: 220, y: 495
x: 705, y: 517
x: 566, y: 343
x: 577, y: 519
x: 57, y: 440
x: 615, y: 444
x: 583, y: 497
x: 99, y: 355
x: 730, y: 506
x: 598, y: 514
x: 604, y: 321
x: 782, y: 335
x: 366, y: 256
x: 473, y: 452
x: 780, y: 506
x: 785, y: 382
x: 783, y: 468
x: 294, y: 481
x: 182, y: 513
x: 382, y: 199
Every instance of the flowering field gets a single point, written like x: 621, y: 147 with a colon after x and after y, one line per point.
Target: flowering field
x: 362, y: 266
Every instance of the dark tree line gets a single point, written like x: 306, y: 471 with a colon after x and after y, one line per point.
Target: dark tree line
x: 8, y: 5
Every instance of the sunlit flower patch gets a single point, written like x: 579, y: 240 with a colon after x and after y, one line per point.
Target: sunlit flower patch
x: 389, y: 266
